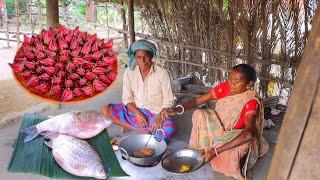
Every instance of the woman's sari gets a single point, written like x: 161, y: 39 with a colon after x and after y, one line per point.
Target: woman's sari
x: 214, y: 128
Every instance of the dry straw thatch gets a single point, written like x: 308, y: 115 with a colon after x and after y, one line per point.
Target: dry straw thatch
x: 211, y: 36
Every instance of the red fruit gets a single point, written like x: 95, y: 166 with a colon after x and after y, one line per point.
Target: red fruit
x: 100, y: 43
x: 99, y: 54
x: 63, y: 30
x: 43, y: 88
x: 112, y: 75
x: 86, y: 48
x: 65, y: 52
x: 68, y: 83
x: 30, y: 65
x: 33, y: 81
x: 53, y: 45
x: 109, y: 59
x: 18, y: 68
x: 77, y: 92
x: 82, y: 82
x: 56, y: 90
x: 74, y: 76
x: 99, y: 70
x: 39, y: 47
x: 26, y: 74
x: 62, y: 43
x: 89, y: 65
x: 99, y: 86
x: 105, y: 79
x: 49, y: 70
x: 40, y: 55
x: 45, y: 77
x: 75, y: 31
x: 35, y: 39
x: 20, y: 59
x: 64, y: 59
x: 74, y: 43
x: 76, y: 52
x: 69, y: 38
x: 90, y: 76
x: 27, y: 39
x: 62, y: 74
x: 70, y: 67
x: 108, y: 44
x: 59, y: 66
x: 29, y: 54
x: 88, y: 57
x: 50, y: 53
x: 79, y: 61
x: 39, y: 70
x: 67, y: 95
x: 47, y: 62
x: 80, y: 71
x: 95, y: 47
x: 46, y: 36
x: 56, y: 80
x: 101, y: 63
x: 87, y: 90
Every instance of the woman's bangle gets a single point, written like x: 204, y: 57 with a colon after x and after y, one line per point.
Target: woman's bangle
x: 215, y: 151
x: 179, y: 113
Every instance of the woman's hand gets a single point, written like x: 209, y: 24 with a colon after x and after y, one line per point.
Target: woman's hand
x: 170, y: 111
x: 209, y: 154
x: 141, y: 119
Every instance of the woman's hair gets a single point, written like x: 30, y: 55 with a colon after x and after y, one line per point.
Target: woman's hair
x: 247, y: 71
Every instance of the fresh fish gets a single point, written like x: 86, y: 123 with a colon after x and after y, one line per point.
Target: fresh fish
x: 76, y: 156
x: 79, y: 124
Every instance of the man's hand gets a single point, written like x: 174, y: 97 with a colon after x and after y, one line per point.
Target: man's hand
x: 141, y: 119
x: 157, y: 124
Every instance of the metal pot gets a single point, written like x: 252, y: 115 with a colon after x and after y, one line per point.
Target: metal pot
x: 136, y: 142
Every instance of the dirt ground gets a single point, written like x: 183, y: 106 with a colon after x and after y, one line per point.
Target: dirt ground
x: 12, y: 97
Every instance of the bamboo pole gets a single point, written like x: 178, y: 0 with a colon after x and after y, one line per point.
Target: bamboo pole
x: 131, y: 21
x: 108, y: 30
x: 18, y: 22
x: 29, y: 9
x: 52, y: 9
x: 39, y: 13
x: 124, y: 26
x: 7, y: 23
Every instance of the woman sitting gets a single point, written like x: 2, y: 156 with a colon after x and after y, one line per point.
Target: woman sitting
x: 234, y: 128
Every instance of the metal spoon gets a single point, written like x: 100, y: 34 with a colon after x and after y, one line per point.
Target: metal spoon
x: 149, y: 139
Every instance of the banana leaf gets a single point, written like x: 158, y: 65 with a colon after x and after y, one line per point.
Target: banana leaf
x: 35, y: 157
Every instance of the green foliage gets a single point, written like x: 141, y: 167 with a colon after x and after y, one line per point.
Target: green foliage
x: 11, y: 6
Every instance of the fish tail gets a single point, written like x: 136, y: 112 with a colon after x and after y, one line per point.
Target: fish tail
x: 31, y: 133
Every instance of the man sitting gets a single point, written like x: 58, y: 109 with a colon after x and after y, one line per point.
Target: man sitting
x: 146, y: 94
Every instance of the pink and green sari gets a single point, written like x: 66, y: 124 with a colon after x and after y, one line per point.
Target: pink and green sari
x: 214, y: 128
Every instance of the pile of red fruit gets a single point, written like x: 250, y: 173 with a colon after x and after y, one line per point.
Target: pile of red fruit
x: 65, y: 65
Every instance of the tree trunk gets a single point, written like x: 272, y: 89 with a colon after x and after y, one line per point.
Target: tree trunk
x: 131, y: 21
x: 52, y: 13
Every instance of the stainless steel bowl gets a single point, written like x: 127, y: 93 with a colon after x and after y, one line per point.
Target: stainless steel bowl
x: 137, y: 142
x: 172, y: 162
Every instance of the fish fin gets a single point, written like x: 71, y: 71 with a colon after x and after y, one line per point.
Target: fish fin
x: 31, y: 133
x: 48, y: 134
x: 48, y: 143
